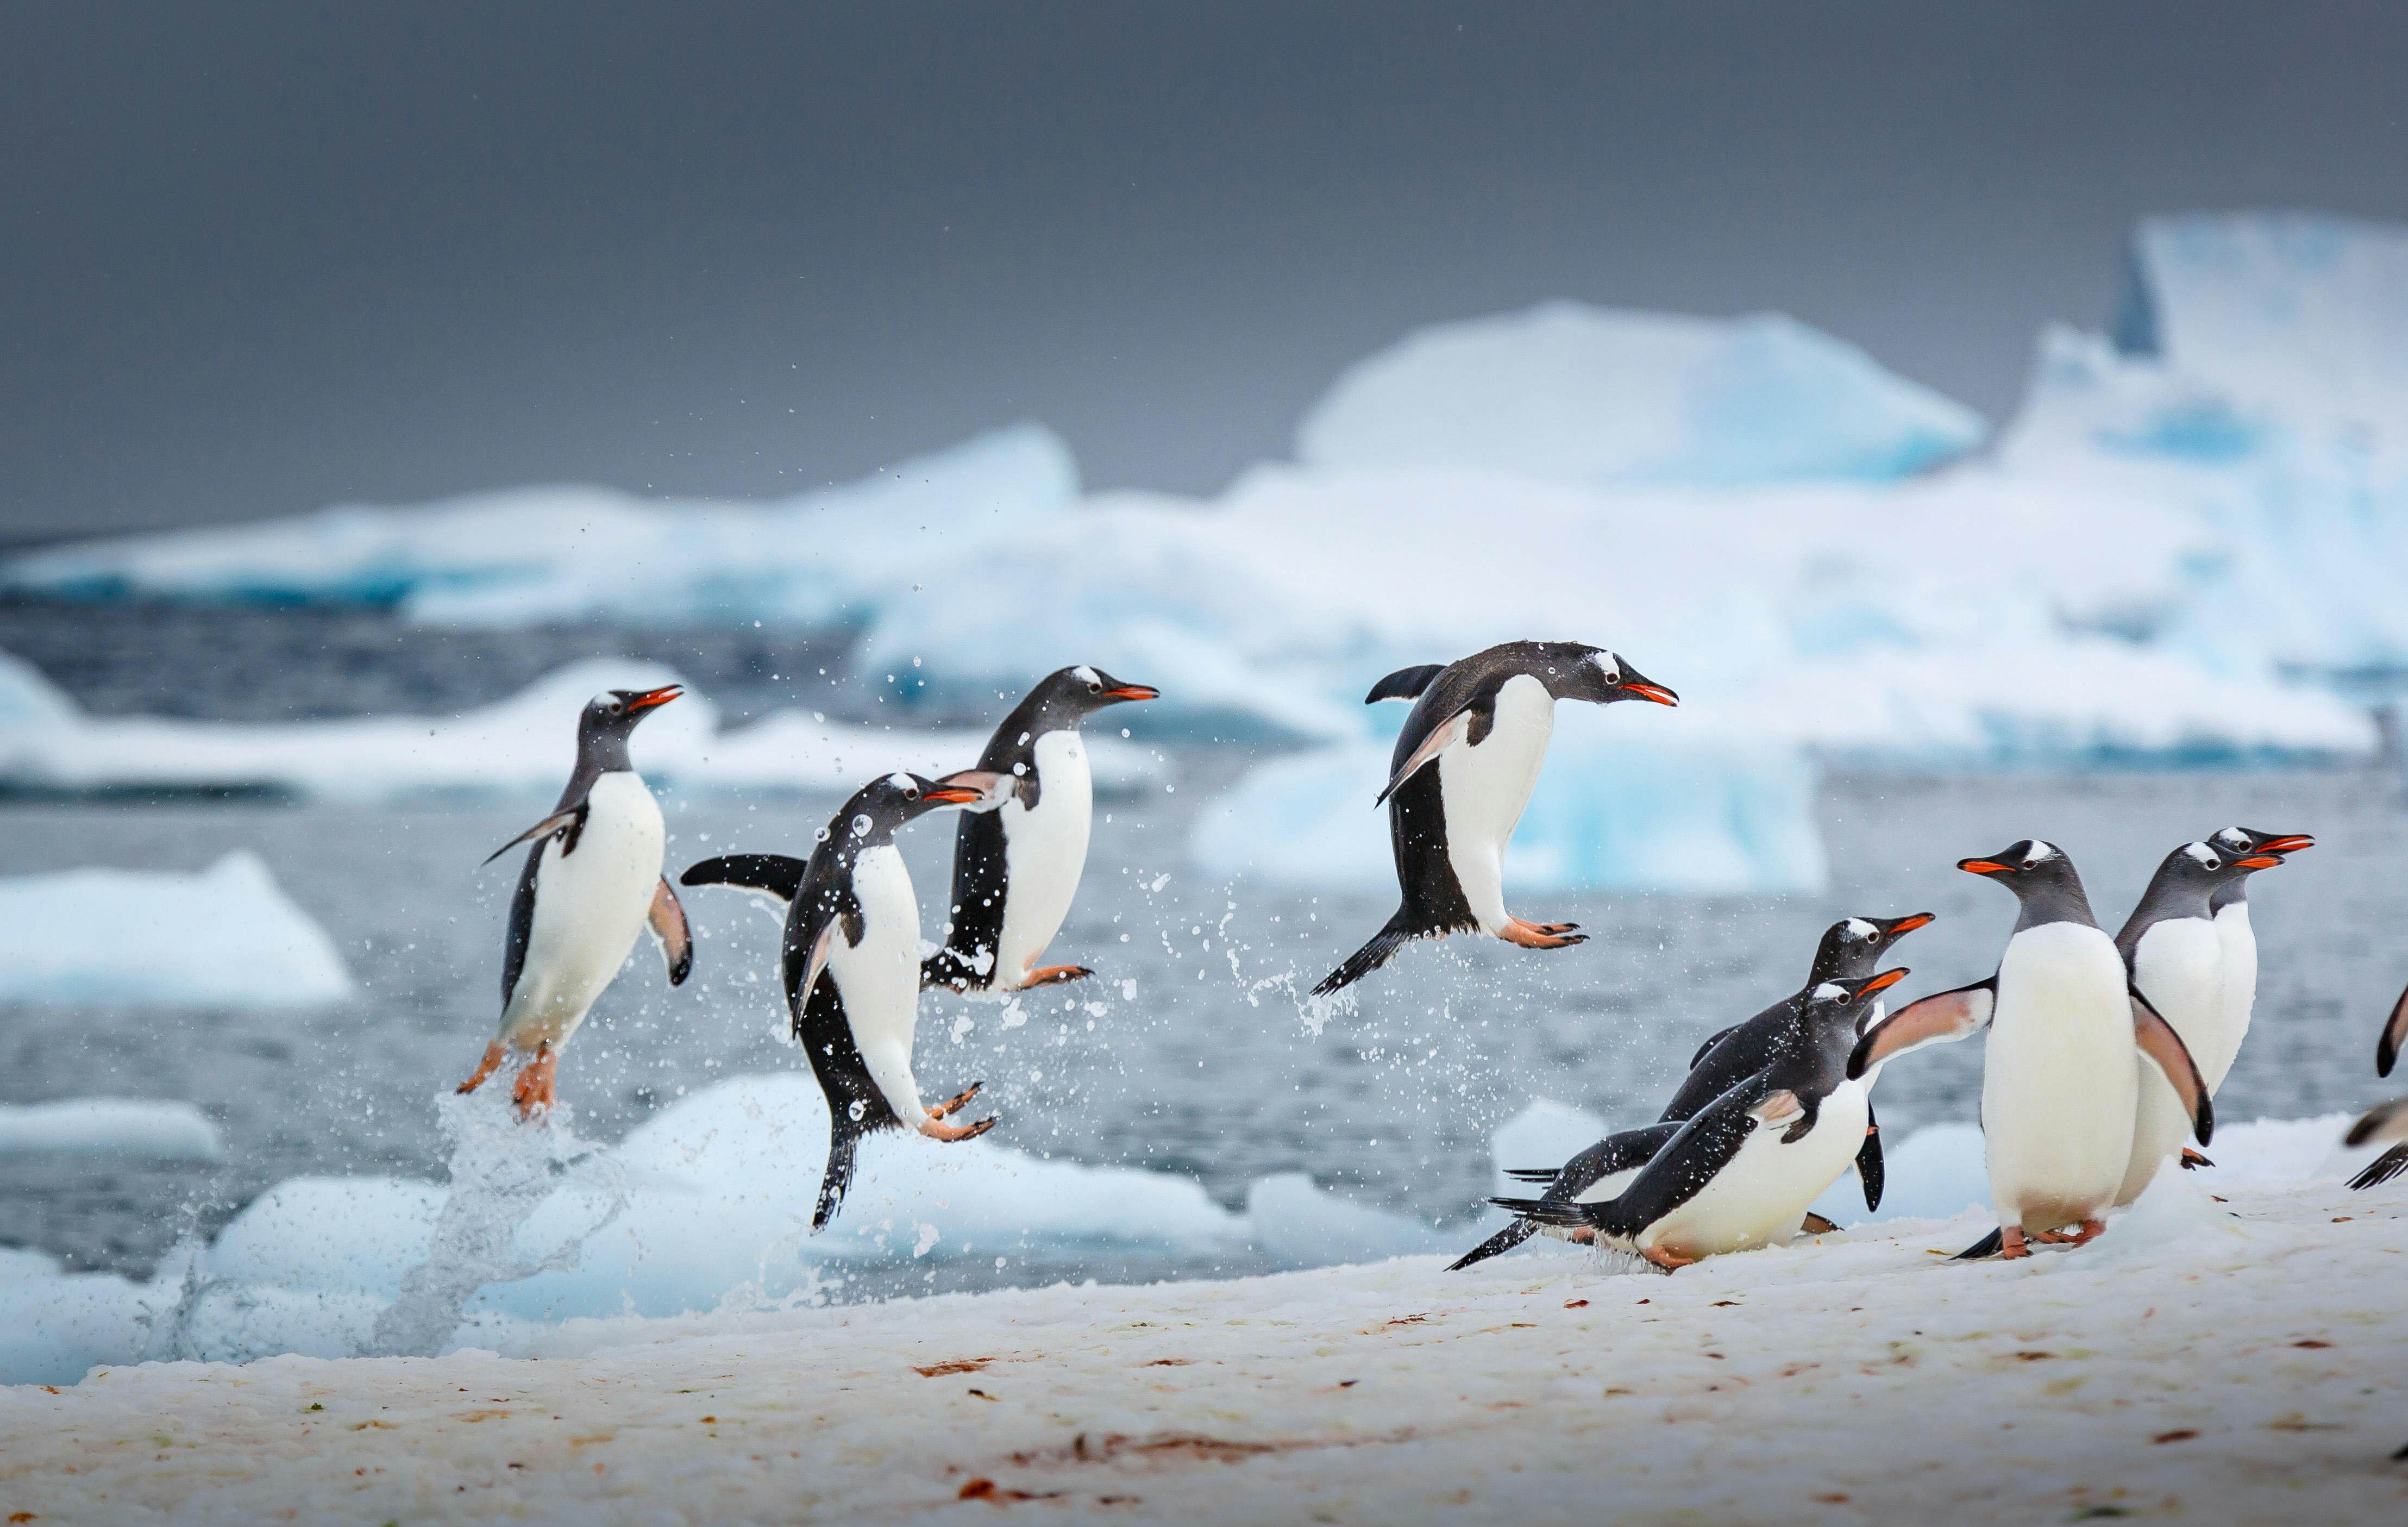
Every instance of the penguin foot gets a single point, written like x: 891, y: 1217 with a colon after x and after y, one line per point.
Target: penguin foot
x: 533, y: 1092
x: 2091, y: 1230
x: 1581, y: 1236
x: 939, y: 1130
x: 2011, y: 1243
x: 2192, y: 1161
x: 1815, y: 1224
x: 484, y: 1068
x: 1054, y: 975
x: 953, y: 1104
x: 1538, y: 935
x: 1671, y: 1261
x: 2051, y: 1237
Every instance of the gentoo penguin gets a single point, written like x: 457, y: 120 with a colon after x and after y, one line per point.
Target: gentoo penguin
x: 2239, y: 940
x: 2060, y: 1082
x: 592, y: 881
x: 1741, y: 1173
x: 851, y: 961
x: 1484, y: 723
x: 2175, y: 956
x: 1015, y: 868
x: 2384, y: 1121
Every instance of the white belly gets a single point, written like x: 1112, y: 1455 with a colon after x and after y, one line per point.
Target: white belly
x: 2239, y: 943
x: 2059, y: 1079
x: 1761, y: 1198
x: 1044, y: 852
x: 1484, y: 789
x: 879, y: 977
x: 2179, y: 967
x: 589, y: 906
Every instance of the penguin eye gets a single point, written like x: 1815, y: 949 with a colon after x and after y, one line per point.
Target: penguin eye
x: 1093, y: 688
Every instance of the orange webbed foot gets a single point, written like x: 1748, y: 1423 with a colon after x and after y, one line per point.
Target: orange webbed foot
x: 485, y: 1068
x: 1053, y: 975
x: 1539, y: 935
x: 938, y: 1129
x: 954, y: 1104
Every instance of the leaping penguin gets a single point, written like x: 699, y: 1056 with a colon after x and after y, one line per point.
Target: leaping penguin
x: 1849, y: 950
x: 1016, y: 868
x: 2060, y: 1081
x: 851, y: 961
x: 592, y: 881
x: 1741, y: 1173
x: 2174, y: 954
x: 1484, y: 721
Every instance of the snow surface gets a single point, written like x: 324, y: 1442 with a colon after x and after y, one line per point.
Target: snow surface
x: 1600, y: 396
x: 226, y: 937
x: 128, y: 1127
x: 2233, y: 1362
x: 523, y: 745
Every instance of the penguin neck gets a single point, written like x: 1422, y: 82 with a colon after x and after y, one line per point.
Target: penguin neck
x: 2166, y: 900
x: 1015, y: 738
x: 1841, y: 959
x: 598, y: 756
x: 2232, y: 893
x: 2055, y: 901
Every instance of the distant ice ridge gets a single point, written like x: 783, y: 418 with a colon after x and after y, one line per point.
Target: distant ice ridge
x: 128, y: 1127
x: 226, y: 937
x: 1601, y: 397
x: 524, y: 744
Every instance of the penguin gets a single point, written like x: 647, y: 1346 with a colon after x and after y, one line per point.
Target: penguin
x: 1482, y: 722
x: 2384, y: 1121
x: 592, y: 881
x: 1742, y: 1172
x: 2239, y: 940
x: 1849, y: 950
x: 2175, y: 956
x: 851, y: 963
x: 1015, y: 868
x: 2060, y: 1083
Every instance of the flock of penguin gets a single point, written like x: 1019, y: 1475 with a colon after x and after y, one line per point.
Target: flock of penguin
x: 2104, y: 1053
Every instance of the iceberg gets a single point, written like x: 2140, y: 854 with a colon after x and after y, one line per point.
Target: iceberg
x: 1599, y: 396
x: 227, y: 937
x: 1621, y: 805
x: 128, y: 1127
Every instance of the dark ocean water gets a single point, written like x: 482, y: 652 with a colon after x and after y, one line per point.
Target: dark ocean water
x: 1208, y: 1068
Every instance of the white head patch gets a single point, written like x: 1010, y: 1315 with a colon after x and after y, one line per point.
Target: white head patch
x: 2039, y: 853
x: 603, y: 701
x: 1086, y: 675
x: 2230, y: 838
x: 902, y: 782
x: 2206, y: 856
x: 1859, y: 929
x: 1607, y: 665
x: 1830, y: 991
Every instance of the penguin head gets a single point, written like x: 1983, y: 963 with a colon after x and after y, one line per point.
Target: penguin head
x: 602, y: 726
x: 2025, y: 866
x: 1067, y: 695
x: 890, y: 800
x: 1851, y: 945
x: 1844, y: 1001
x: 1572, y: 671
x: 2202, y: 864
x: 2241, y: 843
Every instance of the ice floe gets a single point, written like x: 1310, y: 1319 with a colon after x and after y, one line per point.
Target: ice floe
x: 134, y: 1127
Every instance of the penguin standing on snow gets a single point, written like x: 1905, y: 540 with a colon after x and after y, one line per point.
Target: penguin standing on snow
x: 851, y: 961
x: 1463, y: 770
x: 2239, y: 940
x: 1016, y: 868
x: 592, y: 881
x: 1741, y: 1173
x: 2176, y: 957
x: 1849, y: 950
x: 2060, y: 1082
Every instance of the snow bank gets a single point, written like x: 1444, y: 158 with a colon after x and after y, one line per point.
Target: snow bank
x: 523, y: 745
x: 227, y: 937
x: 1599, y: 396
x: 148, y: 1130
x: 1622, y: 804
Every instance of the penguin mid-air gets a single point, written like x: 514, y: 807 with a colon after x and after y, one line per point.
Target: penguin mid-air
x: 1848, y: 951
x: 1742, y: 1172
x: 1016, y: 868
x: 1463, y: 769
x: 592, y: 881
x: 2176, y: 957
x: 851, y: 963
x: 2060, y: 1079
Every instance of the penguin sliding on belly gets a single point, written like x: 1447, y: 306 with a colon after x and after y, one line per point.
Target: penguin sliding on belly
x: 1016, y: 868
x: 851, y: 963
x: 1462, y: 771
x: 592, y: 881
x: 1849, y: 950
x: 2060, y: 1078
x: 1741, y: 1173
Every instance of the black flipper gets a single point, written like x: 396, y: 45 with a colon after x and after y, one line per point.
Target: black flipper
x: 1503, y: 1241
x: 1869, y: 1162
x: 2383, y: 1168
x: 1712, y: 1040
x: 1988, y: 1245
x: 982, y: 881
x: 2395, y: 1033
x: 1673, y: 1174
x: 1532, y: 1174
x: 763, y: 874
x: 1404, y: 683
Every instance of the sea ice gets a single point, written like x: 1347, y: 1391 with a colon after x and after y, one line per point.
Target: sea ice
x: 135, y: 1127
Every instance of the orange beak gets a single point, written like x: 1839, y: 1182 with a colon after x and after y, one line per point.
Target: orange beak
x: 1909, y: 923
x: 650, y: 697
x: 1884, y: 981
x: 954, y: 795
x: 1983, y: 867
x: 1655, y: 692
x: 2258, y: 861
x: 2291, y: 844
x: 1133, y: 691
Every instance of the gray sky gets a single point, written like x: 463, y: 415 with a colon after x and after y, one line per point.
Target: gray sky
x: 255, y: 259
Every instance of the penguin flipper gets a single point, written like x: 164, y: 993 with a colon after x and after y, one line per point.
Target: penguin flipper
x: 570, y: 820
x: 2157, y: 1039
x: 1712, y: 1040
x: 1941, y: 1017
x: 1496, y: 1246
x: 1453, y: 729
x: 1615, y: 1153
x: 1869, y: 1162
x: 666, y: 919
x: 2394, y: 1034
x: 773, y: 875
x: 1405, y: 684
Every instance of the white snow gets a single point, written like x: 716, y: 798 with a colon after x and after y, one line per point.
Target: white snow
x: 1600, y: 396
x: 129, y: 1126
x: 2239, y: 1361
x: 226, y: 937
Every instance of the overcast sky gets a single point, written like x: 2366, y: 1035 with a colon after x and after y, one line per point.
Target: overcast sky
x: 258, y: 259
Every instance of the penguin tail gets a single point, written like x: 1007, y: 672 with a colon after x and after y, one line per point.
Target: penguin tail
x: 1988, y: 1245
x: 843, y: 1141
x: 1503, y: 1241
x: 1536, y: 1212
x: 1400, y: 930
x: 2383, y: 1168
